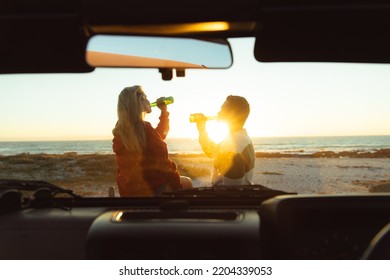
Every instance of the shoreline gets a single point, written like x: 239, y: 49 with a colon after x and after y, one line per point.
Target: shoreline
x: 325, y: 172
x: 380, y: 153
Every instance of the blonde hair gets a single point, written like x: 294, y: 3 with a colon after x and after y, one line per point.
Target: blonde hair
x: 130, y: 125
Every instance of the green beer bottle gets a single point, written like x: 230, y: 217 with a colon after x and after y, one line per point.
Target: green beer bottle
x: 196, y: 117
x: 167, y: 100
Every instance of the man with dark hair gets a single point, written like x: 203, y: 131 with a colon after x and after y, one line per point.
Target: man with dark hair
x: 234, y: 157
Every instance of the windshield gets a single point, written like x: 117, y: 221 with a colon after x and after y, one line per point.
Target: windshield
x: 315, y: 127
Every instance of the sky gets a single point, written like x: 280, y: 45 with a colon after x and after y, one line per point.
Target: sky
x: 286, y: 99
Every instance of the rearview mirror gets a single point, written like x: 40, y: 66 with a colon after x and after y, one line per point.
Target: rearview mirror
x: 158, y: 52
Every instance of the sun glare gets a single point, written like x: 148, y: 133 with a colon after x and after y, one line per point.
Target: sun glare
x: 217, y: 131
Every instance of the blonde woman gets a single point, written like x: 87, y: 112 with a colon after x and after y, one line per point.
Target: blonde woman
x: 143, y: 166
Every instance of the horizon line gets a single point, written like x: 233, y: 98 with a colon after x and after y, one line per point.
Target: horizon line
x: 183, y: 137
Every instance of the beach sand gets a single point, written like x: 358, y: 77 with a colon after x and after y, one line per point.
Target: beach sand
x: 93, y: 174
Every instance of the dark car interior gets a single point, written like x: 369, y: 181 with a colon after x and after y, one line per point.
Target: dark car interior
x: 39, y: 220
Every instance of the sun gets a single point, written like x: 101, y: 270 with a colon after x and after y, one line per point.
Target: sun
x: 216, y: 130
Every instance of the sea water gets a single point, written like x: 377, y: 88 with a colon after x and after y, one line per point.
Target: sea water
x: 293, y: 145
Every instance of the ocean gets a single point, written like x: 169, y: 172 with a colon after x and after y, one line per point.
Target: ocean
x: 292, y: 145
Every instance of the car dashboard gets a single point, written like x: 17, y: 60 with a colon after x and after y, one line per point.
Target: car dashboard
x: 188, y: 226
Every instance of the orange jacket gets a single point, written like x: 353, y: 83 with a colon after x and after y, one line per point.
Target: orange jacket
x: 141, y: 174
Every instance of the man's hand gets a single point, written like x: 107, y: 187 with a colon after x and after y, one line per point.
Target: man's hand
x: 200, y: 120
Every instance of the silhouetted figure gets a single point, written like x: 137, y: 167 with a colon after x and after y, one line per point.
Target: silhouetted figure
x: 143, y: 166
x: 234, y: 157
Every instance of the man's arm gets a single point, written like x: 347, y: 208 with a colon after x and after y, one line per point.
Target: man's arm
x: 208, y: 146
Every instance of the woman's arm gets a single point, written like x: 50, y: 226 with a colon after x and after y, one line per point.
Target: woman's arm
x: 163, y: 126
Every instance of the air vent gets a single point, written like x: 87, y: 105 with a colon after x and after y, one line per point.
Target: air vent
x: 129, y: 216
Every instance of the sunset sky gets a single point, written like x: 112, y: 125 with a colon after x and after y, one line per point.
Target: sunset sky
x: 299, y: 99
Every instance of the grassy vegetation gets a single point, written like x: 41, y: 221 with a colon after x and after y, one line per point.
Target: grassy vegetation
x: 86, y: 174
x: 271, y: 173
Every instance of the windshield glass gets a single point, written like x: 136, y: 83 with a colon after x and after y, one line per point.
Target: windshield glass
x: 315, y: 127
